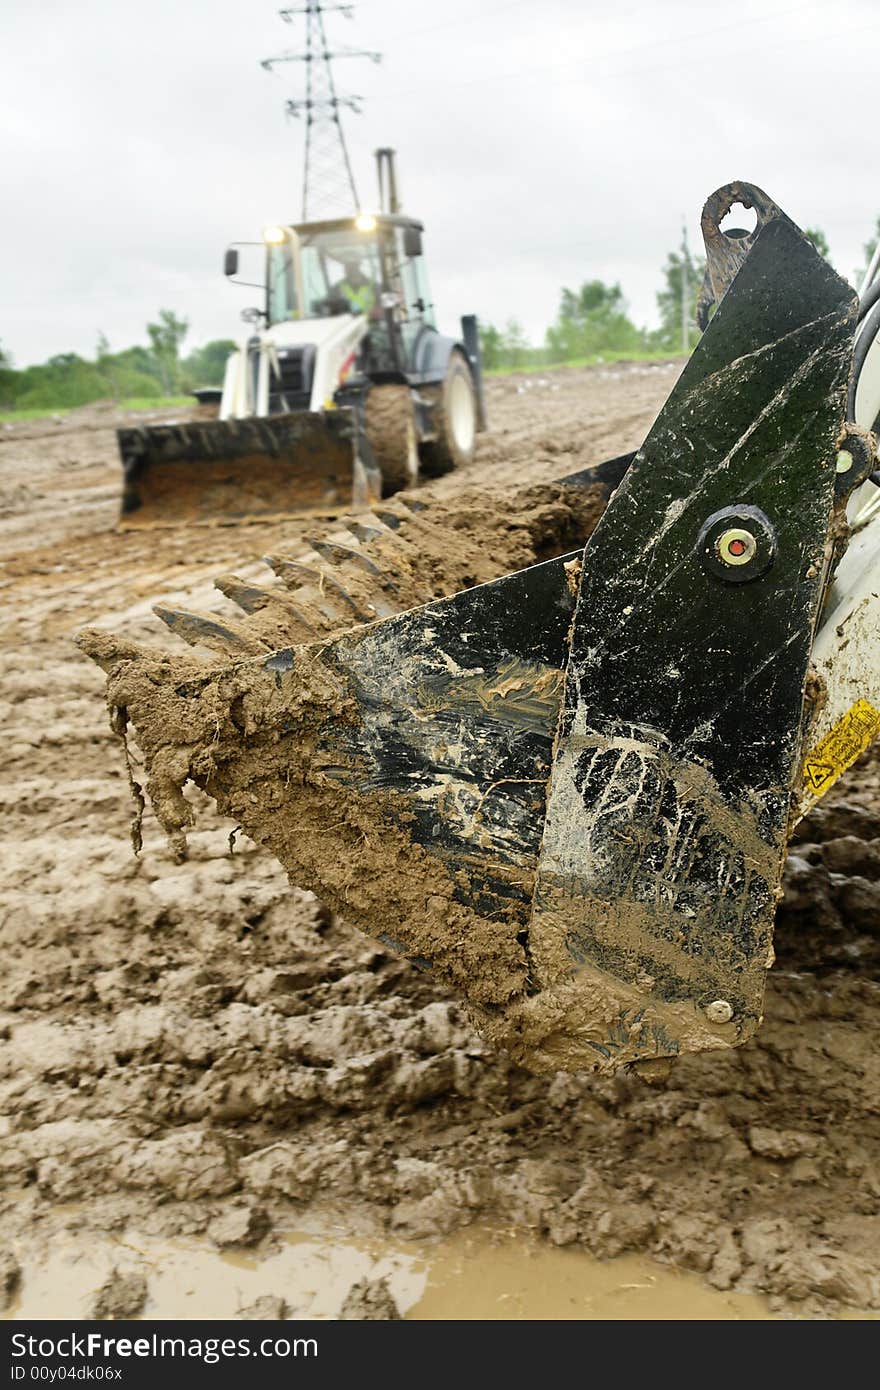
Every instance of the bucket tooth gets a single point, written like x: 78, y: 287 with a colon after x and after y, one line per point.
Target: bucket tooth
x: 367, y: 586
x: 108, y: 649
x: 307, y: 620
x: 327, y: 605
x: 367, y: 532
x: 314, y: 588
x: 292, y: 573
x: 395, y: 556
x: 413, y: 524
x: 346, y: 555
x: 250, y: 598
x: 320, y: 611
x: 276, y: 621
x: 201, y: 631
x: 363, y: 612
x: 365, y: 605
x: 327, y: 591
x: 366, y: 609
x: 343, y: 536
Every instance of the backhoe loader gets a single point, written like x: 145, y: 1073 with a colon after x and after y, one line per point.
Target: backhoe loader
x: 568, y: 791
x: 343, y: 391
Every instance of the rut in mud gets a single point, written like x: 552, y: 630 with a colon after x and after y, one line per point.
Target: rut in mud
x: 197, y: 1048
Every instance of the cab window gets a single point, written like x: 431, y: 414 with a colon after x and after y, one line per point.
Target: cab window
x: 281, y: 284
x: 414, y: 284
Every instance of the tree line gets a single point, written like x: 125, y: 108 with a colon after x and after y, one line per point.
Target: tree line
x: 136, y: 373
x: 592, y: 321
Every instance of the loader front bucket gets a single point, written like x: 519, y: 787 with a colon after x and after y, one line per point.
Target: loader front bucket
x: 225, y: 470
x: 567, y: 792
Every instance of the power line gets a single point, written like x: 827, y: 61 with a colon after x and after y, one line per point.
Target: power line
x: 328, y: 179
x: 473, y: 17
x: 594, y: 74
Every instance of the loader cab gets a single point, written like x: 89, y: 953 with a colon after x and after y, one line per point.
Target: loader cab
x: 371, y: 264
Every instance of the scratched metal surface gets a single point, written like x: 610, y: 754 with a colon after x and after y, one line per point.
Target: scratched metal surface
x: 458, y: 704
x: 667, y: 813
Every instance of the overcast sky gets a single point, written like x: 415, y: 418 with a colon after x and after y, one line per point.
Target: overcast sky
x: 542, y: 143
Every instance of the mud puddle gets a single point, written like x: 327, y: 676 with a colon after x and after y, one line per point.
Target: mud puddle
x: 480, y: 1274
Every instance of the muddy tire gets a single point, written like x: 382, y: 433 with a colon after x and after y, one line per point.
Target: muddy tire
x: 455, y: 418
x: 390, y: 423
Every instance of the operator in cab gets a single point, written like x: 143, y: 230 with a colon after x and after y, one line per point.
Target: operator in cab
x: 356, y: 288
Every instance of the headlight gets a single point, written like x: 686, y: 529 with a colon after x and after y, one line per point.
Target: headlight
x: 273, y: 236
x: 365, y: 222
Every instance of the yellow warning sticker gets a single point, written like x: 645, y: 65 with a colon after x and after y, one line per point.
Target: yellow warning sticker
x: 839, y: 749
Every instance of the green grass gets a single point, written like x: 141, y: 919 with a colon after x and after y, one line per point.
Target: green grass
x: 537, y: 363
x: 597, y: 360
x: 42, y: 412
x: 154, y: 403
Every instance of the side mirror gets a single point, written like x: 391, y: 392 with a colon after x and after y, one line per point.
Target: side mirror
x: 230, y: 261
x: 412, y: 241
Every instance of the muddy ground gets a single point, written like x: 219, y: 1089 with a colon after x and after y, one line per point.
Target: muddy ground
x: 197, y: 1049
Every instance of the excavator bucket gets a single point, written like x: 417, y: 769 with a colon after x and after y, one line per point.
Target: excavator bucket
x: 568, y: 791
x: 226, y: 470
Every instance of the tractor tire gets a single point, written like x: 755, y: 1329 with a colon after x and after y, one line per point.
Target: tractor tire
x: 454, y: 417
x: 390, y: 423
